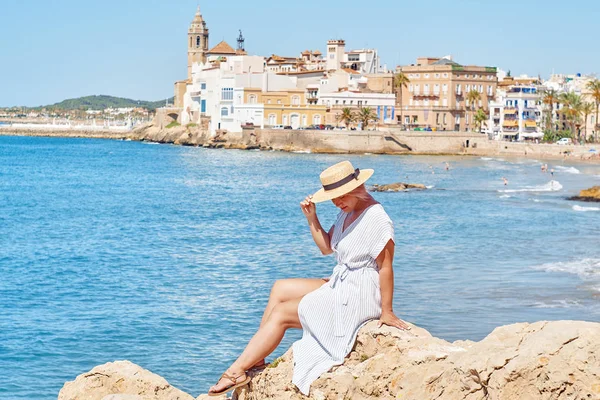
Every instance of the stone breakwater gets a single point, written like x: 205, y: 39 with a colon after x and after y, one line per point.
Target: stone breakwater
x: 342, y: 142
x: 543, y: 360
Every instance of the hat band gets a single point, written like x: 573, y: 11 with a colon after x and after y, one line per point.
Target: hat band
x: 342, y: 182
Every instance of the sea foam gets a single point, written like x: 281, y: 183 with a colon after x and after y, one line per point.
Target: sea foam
x: 552, y: 186
x: 568, y: 170
x: 586, y: 268
x: 584, y: 209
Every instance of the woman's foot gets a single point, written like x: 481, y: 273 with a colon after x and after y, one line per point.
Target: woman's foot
x: 229, y: 381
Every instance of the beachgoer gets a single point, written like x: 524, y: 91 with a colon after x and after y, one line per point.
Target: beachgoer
x: 330, y: 310
x: 505, y: 181
x: 447, y: 166
x: 552, y: 172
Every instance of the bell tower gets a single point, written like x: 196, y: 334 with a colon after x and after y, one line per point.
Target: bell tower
x: 197, y: 42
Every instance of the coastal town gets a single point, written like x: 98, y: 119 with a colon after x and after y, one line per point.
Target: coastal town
x: 345, y: 88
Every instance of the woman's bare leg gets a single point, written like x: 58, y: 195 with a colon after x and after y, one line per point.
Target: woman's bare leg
x: 285, y: 290
x: 288, y: 289
x: 282, y: 317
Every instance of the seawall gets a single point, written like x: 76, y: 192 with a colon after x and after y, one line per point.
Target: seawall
x: 342, y: 142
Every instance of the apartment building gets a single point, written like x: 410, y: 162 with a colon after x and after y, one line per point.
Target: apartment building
x: 436, y: 96
x: 516, y: 114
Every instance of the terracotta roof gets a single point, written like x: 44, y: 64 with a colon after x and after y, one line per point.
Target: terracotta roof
x: 317, y: 53
x: 306, y: 53
x: 350, y: 71
x: 222, y: 48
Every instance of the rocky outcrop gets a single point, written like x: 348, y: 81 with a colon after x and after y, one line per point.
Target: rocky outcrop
x: 544, y: 360
x: 397, y: 187
x: 120, y: 380
x: 592, y: 194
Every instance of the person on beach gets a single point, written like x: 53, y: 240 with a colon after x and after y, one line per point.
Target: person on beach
x: 447, y: 166
x: 552, y: 172
x: 505, y: 181
x: 330, y: 311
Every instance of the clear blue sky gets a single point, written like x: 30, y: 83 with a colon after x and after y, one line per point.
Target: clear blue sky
x: 56, y: 49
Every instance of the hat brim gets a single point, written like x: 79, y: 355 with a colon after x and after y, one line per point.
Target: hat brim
x: 323, y: 195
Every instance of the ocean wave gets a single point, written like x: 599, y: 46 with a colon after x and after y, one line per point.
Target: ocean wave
x: 552, y: 186
x: 584, y: 209
x: 486, y: 158
x: 505, y: 196
x: 430, y: 186
x: 569, y: 170
x: 301, y: 151
x: 557, y: 304
x: 587, y: 268
x: 535, y: 200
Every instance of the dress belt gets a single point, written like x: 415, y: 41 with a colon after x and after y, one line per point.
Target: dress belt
x: 341, y: 295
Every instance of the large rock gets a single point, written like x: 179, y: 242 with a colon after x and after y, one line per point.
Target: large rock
x: 120, y: 380
x: 592, y: 194
x: 397, y: 187
x: 544, y: 360
x: 539, y: 361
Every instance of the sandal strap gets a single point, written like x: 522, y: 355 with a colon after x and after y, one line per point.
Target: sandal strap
x: 231, y: 377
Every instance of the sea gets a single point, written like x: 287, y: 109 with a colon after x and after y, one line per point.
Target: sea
x: 165, y: 255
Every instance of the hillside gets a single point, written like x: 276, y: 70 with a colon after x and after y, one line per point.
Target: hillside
x: 102, y: 101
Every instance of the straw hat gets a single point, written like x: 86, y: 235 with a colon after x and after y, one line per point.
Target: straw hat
x: 340, y: 179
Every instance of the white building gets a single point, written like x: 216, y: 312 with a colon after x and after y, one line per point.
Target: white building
x: 384, y: 104
x: 365, y: 61
x: 516, y: 114
x: 211, y: 92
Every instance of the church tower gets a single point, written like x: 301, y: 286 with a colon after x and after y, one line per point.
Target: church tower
x: 197, y: 42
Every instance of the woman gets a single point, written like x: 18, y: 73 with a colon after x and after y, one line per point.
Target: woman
x: 332, y: 310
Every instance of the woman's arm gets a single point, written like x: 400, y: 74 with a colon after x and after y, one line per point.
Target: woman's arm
x: 386, y: 282
x: 320, y: 236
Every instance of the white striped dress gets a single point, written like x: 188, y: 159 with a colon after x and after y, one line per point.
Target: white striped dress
x: 332, y: 315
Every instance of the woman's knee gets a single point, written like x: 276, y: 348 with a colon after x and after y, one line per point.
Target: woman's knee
x: 279, y: 289
x: 285, y: 314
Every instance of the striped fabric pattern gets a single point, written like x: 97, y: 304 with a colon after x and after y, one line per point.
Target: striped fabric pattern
x: 332, y: 315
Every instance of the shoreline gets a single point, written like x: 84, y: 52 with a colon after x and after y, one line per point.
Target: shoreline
x: 335, y: 142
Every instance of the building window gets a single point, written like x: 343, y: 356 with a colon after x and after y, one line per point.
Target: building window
x: 444, y: 118
x: 337, y: 102
x: 269, y: 101
x: 437, y: 76
x: 278, y: 101
x: 252, y: 99
x: 410, y: 87
x: 227, y: 94
x: 317, y: 119
x: 197, y: 41
x: 445, y: 75
x: 353, y: 57
x: 445, y: 88
x: 351, y: 101
x: 365, y: 102
x: 272, y: 119
x: 285, y: 120
x: 480, y: 88
x: 426, y: 76
x: 203, y: 86
x: 417, y: 89
x: 467, y: 76
x: 224, y: 111
x: 295, y: 100
x: 343, y: 101
x: 304, y: 119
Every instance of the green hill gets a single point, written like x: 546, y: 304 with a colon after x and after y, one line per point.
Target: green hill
x: 101, y: 102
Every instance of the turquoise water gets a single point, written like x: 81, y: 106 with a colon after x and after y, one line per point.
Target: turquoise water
x: 165, y: 255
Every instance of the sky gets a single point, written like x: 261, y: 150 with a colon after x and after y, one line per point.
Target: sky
x: 52, y: 50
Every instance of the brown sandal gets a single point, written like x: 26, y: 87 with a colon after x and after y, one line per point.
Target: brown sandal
x: 235, y: 384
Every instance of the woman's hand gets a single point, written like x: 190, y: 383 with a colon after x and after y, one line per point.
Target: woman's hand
x: 309, y: 209
x: 390, y: 319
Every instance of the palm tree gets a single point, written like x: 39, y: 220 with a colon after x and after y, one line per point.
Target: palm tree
x: 587, y: 108
x: 480, y: 117
x: 400, y: 81
x: 571, y: 109
x: 472, y: 97
x: 347, y: 116
x: 549, y: 98
x: 594, y: 88
x: 365, y: 116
